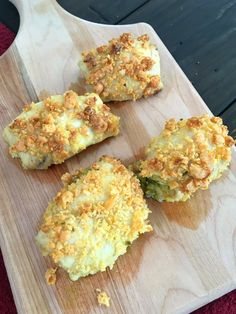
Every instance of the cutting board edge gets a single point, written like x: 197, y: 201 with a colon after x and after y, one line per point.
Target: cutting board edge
x: 205, y: 106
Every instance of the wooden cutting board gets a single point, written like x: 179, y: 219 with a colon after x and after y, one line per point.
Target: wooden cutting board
x: 187, y: 261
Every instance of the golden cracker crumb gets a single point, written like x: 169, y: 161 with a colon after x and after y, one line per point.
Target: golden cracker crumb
x: 49, y: 134
x: 50, y: 276
x: 103, y: 298
x: 188, y: 155
x: 121, y: 70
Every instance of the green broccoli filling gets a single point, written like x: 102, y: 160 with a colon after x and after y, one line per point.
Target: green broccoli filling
x: 154, y: 188
x: 82, y: 172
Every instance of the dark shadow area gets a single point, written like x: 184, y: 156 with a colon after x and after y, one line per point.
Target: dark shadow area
x: 9, y: 15
x: 6, y: 294
x: 102, y: 11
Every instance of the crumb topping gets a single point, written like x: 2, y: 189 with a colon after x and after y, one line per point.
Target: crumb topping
x: 103, y: 298
x: 186, y: 153
x: 94, y: 217
x: 124, y: 68
x: 60, y: 126
x: 50, y: 276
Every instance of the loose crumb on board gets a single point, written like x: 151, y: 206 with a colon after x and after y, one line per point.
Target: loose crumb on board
x: 50, y: 276
x: 103, y: 298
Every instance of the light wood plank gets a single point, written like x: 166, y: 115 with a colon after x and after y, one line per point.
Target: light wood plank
x: 187, y: 261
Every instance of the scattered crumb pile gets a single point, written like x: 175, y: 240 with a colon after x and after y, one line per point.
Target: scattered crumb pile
x: 103, y: 298
x: 50, y: 276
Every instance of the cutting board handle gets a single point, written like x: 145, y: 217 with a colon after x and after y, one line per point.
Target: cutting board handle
x: 29, y: 9
x: 33, y: 6
x: 45, y: 29
x: 48, y: 31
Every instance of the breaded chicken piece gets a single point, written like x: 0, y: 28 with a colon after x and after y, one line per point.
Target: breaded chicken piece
x: 126, y: 68
x: 188, y: 155
x: 50, y: 131
x: 94, y: 218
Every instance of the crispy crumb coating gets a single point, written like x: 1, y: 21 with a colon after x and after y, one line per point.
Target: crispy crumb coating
x: 127, y: 68
x: 103, y: 298
x: 188, y: 155
x: 50, y: 131
x: 50, y: 276
x: 94, y: 218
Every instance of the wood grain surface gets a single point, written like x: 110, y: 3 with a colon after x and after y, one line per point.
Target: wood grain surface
x: 187, y: 261
x: 199, y: 34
